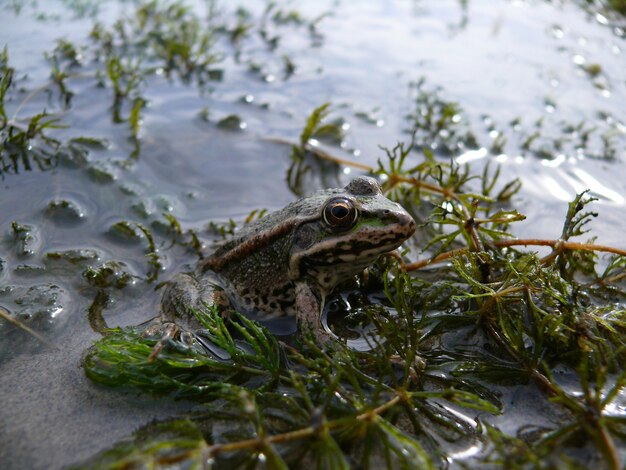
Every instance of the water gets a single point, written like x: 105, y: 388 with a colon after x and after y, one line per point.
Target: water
x: 508, y: 64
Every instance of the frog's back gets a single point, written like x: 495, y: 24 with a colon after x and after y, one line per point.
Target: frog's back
x: 268, y: 228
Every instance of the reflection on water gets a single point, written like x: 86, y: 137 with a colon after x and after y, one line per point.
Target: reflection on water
x: 535, y: 86
x: 596, y: 188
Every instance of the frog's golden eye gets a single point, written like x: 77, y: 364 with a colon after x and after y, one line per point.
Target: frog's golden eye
x: 340, y: 214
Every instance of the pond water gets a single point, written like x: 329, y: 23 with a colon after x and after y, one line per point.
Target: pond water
x: 541, y: 86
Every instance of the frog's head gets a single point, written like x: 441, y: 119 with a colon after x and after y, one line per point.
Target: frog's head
x: 353, y: 227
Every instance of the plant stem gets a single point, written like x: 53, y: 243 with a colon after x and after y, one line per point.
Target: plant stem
x: 560, y: 244
x: 609, y: 446
x: 259, y: 442
x: 5, y: 314
x: 393, y: 178
x: 556, y: 244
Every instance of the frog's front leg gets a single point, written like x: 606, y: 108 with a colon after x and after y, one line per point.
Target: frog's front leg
x: 309, y: 305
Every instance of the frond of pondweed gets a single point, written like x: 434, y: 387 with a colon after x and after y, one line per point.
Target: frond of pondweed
x: 314, y: 123
x: 6, y: 79
x: 387, y: 446
x: 576, y: 219
x: 156, y: 445
x: 121, y: 358
x: 256, y: 345
x: 289, y: 400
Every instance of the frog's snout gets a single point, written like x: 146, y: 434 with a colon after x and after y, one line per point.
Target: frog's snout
x: 399, y: 218
x: 407, y: 223
x: 411, y: 225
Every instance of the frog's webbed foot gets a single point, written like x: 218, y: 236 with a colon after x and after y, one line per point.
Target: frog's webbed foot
x: 309, y: 316
x: 415, y: 369
x: 165, y: 331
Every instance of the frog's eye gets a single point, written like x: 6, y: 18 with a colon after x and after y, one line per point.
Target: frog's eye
x: 340, y: 214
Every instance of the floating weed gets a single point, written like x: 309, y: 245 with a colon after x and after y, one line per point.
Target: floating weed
x: 64, y: 59
x: 25, y: 142
x: 307, y: 157
x: 156, y: 445
x: 135, y: 121
x: 437, y: 124
x: 158, y: 39
x: 189, y: 238
x: 109, y: 274
x: 232, y: 122
x: 549, y: 139
x: 163, y: 36
x: 283, y: 393
x: 169, y: 39
x: 6, y: 80
x: 227, y: 229
x: 224, y: 229
x: 131, y: 232
x: 26, y: 237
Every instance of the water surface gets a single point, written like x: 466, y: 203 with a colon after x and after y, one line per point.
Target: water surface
x: 515, y: 69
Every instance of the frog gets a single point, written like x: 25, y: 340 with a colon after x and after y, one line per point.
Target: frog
x: 289, y: 261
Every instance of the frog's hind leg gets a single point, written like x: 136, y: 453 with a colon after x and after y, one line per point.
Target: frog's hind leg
x: 182, y: 296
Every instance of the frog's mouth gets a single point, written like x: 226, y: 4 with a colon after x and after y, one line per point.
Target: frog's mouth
x: 354, y: 249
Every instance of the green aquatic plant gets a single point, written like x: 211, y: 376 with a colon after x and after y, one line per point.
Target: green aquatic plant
x: 438, y: 124
x: 26, y: 143
x: 257, y: 382
x: 307, y: 157
x: 450, y: 342
x: 616, y: 6
x: 165, y: 36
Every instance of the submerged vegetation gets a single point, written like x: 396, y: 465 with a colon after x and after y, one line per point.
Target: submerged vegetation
x: 471, y: 319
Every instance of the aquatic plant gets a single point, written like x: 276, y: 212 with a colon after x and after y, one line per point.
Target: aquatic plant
x: 25, y: 142
x: 490, y: 317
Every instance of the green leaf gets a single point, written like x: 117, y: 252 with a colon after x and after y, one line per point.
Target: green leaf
x: 135, y: 116
x: 327, y: 453
x: 313, y: 122
x: 400, y: 450
x: 6, y: 78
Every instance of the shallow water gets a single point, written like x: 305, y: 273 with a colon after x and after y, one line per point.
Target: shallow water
x: 508, y: 64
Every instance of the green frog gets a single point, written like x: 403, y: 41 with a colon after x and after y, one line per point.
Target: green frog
x: 287, y: 262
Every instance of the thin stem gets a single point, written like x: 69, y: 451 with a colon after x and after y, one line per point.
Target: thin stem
x: 541, y: 379
x: 322, y: 154
x: 564, y: 245
x: 341, y: 161
x: 437, y: 259
x: 609, y: 446
x: 448, y: 193
x: 5, y: 314
x: 28, y: 97
x: 394, y: 179
x: 299, y: 433
x: 555, y: 244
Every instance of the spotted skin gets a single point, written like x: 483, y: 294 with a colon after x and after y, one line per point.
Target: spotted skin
x: 287, y: 262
